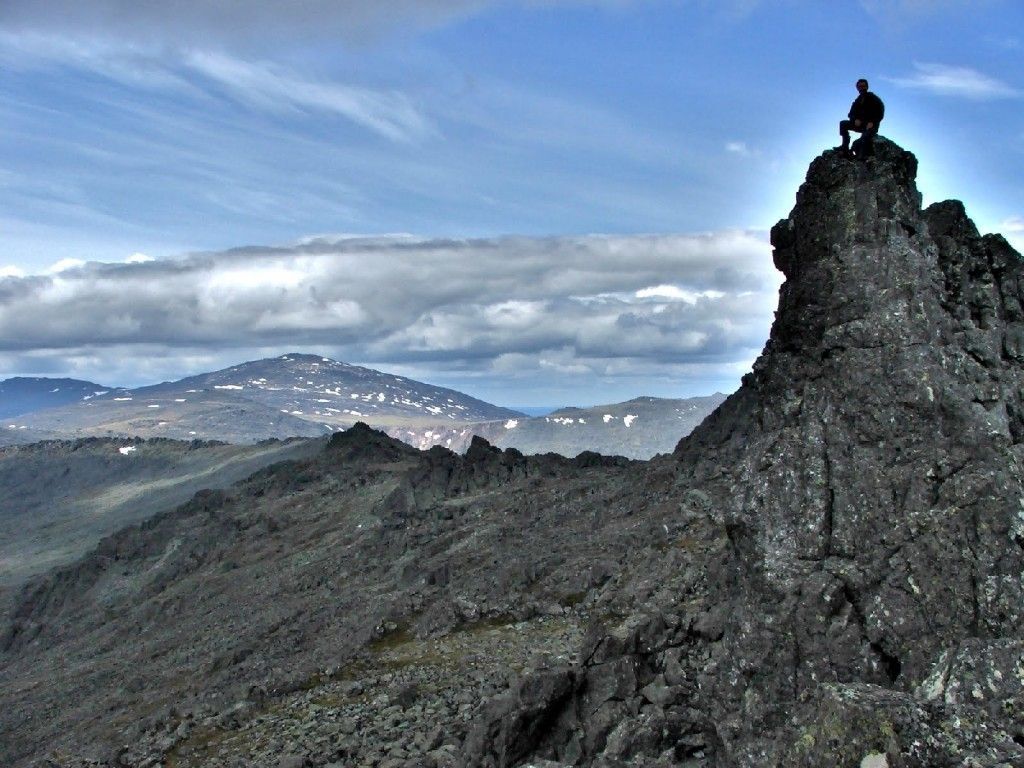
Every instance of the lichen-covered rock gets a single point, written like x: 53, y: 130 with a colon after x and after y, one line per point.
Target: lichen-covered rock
x: 865, y: 726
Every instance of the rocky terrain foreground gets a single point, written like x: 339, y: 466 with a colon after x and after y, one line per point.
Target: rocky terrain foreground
x: 829, y: 571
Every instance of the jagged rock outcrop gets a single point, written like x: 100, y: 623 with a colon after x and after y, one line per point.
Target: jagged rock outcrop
x: 868, y: 479
x: 828, y: 571
x: 869, y: 470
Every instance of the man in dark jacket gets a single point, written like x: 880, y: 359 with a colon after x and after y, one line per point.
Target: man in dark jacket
x: 866, y: 113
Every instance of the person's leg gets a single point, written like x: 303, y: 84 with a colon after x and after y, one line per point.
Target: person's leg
x: 868, y: 145
x: 844, y: 131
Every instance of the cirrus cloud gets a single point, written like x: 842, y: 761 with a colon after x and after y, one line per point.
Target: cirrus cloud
x: 200, y: 21
x: 963, y: 82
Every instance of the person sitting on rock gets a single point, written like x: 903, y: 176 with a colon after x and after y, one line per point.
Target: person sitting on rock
x: 866, y: 113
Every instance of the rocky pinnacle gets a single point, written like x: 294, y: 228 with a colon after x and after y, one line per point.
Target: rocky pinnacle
x: 868, y: 471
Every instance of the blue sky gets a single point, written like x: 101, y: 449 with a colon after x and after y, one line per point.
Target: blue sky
x: 579, y: 141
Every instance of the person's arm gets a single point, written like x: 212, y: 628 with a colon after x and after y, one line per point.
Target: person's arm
x: 876, y: 111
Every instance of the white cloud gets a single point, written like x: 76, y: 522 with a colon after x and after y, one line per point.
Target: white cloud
x: 962, y: 82
x: 740, y: 148
x: 64, y: 265
x: 254, y: 277
x: 675, y: 292
x: 11, y: 271
x: 123, y: 61
x: 562, y: 304
x: 138, y: 258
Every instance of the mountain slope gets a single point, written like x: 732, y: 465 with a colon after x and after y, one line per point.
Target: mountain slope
x: 21, y: 395
x: 637, y: 429
x: 62, y: 497
x: 827, y: 571
x: 250, y: 594
x: 177, y: 414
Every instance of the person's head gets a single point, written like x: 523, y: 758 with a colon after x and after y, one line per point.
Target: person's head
x: 862, y: 85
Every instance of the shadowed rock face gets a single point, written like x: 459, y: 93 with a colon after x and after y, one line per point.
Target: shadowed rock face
x: 869, y: 470
x: 828, y: 571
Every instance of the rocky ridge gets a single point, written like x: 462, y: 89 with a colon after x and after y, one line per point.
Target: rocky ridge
x: 828, y: 571
x: 869, y: 475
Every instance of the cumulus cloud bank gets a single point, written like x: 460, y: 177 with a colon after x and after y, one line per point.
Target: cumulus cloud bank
x: 571, y: 304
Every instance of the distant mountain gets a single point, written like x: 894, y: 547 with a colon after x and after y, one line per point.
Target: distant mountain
x: 291, y: 395
x: 327, y: 391
x: 637, y: 429
x: 26, y: 394
x: 196, y: 415
x: 298, y: 395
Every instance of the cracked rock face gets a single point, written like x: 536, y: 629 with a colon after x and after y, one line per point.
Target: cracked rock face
x: 869, y: 469
x: 828, y: 571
